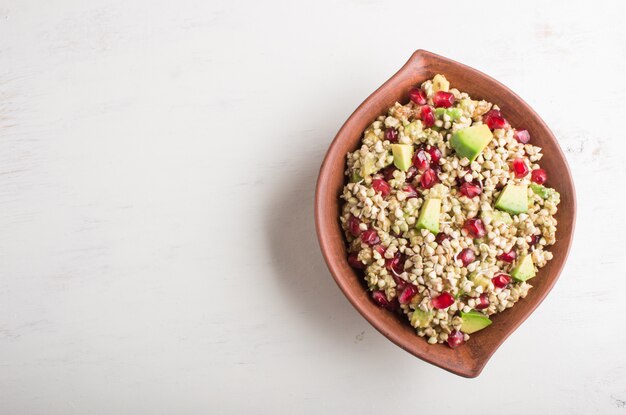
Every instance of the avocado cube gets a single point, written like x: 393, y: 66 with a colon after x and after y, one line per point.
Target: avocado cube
x: 496, y: 217
x: 421, y: 319
x: 453, y: 113
x: 480, y: 280
x: 525, y: 269
x: 356, y: 177
x: 474, y: 321
x: 440, y: 83
x: 429, y: 215
x: 470, y: 141
x: 513, y: 199
x: 542, y: 191
x: 402, y: 155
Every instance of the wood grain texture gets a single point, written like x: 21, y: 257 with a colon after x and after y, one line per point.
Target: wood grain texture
x: 157, y: 169
x: 465, y: 361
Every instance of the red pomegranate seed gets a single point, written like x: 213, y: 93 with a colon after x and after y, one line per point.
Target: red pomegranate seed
x: 354, y: 261
x: 400, y: 283
x: 495, y: 120
x: 520, y: 168
x: 475, y: 228
x: 380, y: 249
x: 420, y: 160
x: 522, y: 136
x: 534, y: 239
x: 381, y: 186
x: 388, y: 172
x: 427, y: 116
x: 395, y: 264
x: 466, y: 256
x: 482, y: 302
x: 443, y: 99
x: 370, y: 237
x: 380, y: 298
x: 455, y: 339
x: 391, y: 134
x: 508, y: 256
x: 501, y: 280
x: 417, y: 95
x: 407, y: 294
x: 539, y: 176
x: 411, y: 173
x: 428, y: 179
x: 353, y: 226
x: 441, y: 237
x: 471, y: 189
x: 410, y: 191
x: 435, y: 154
x: 443, y: 300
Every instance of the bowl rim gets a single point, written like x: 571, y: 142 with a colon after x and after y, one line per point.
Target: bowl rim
x: 476, y: 367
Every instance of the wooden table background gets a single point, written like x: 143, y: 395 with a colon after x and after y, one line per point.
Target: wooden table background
x: 157, y: 169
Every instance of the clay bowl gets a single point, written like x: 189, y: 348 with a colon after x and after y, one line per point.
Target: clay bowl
x: 468, y: 360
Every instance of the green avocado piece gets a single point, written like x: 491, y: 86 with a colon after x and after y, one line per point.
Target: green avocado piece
x: 470, y: 141
x: 474, y: 321
x: 402, y: 154
x: 525, y: 269
x: 421, y: 319
x: 542, y: 191
x: 356, y: 177
x: 513, y: 199
x: 368, y: 165
x: 453, y: 113
x: 480, y: 280
x: 440, y: 83
x: 496, y: 216
x: 429, y: 215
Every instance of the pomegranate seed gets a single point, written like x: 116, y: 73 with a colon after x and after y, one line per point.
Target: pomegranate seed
x: 441, y: 237
x: 471, y: 189
x: 508, y: 256
x: 381, y: 186
x: 482, y: 302
x: 354, y: 261
x: 466, y: 256
x: 380, y: 298
x: 534, y: 239
x: 411, y: 173
x: 407, y: 294
x: 388, y: 172
x: 420, y: 160
x: 410, y: 191
x: 475, y: 228
x: 391, y: 134
x: 522, y: 136
x: 495, y: 120
x: 443, y: 99
x: 443, y: 300
x: 539, y: 176
x: 435, y: 154
x: 428, y: 179
x: 400, y: 283
x: 520, y: 168
x: 417, y: 95
x: 395, y: 264
x: 353, y: 226
x: 370, y: 237
x: 380, y: 249
x: 427, y: 116
x: 455, y: 339
x: 501, y: 280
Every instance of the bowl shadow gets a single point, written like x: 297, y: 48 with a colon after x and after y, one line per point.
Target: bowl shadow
x: 303, y: 278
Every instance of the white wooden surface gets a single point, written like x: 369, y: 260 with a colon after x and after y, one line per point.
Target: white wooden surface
x: 157, y: 168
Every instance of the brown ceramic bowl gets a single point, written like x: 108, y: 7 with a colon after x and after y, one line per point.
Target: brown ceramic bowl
x: 469, y: 359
